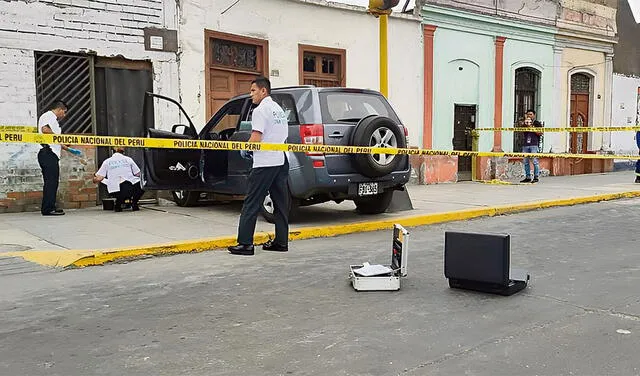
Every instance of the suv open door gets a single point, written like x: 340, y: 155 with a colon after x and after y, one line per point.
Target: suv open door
x: 173, y: 168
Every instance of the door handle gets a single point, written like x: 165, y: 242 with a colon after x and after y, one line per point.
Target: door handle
x: 336, y: 134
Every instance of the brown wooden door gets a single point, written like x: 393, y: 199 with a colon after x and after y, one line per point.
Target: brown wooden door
x: 243, y: 82
x: 224, y: 85
x: 463, y: 123
x: 221, y: 88
x: 579, y: 117
x: 232, y: 62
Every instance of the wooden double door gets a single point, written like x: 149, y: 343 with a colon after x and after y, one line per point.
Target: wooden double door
x: 579, y: 117
x: 231, y: 63
x: 225, y: 85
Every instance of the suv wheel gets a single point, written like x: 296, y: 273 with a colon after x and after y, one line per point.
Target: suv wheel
x: 267, y: 209
x: 374, y: 204
x: 185, y: 198
x: 377, y: 131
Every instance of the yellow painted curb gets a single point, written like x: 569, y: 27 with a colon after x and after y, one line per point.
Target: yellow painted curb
x: 79, y: 259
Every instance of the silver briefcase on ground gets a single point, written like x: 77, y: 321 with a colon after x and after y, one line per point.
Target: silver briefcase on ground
x: 367, y: 277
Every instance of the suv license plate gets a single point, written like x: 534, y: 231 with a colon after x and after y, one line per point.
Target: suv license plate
x: 367, y: 189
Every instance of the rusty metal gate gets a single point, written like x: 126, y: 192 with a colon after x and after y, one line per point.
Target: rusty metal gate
x: 68, y: 78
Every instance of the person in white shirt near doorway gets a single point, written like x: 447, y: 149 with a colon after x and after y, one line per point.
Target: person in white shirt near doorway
x: 121, y: 175
x: 269, y: 174
x: 49, y: 157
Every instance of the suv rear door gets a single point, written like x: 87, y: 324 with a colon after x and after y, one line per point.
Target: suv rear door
x: 239, y: 168
x: 175, y: 169
x: 341, y: 111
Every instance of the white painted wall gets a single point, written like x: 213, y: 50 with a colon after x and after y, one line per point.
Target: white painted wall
x: 287, y: 23
x: 625, y: 113
x: 101, y: 27
x: 106, y: 28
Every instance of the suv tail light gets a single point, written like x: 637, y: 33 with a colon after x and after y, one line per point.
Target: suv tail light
x: 313, y: 134
x: 406, y: 135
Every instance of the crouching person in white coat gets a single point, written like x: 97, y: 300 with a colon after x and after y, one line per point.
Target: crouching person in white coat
x: 121, y: 175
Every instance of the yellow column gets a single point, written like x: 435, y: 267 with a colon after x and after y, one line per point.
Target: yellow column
x: 384, y: 66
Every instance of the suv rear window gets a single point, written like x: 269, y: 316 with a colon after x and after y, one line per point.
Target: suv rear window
x: 351, y: 107
x: 288, y: 105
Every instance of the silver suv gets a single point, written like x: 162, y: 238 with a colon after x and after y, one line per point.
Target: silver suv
x: 330, y: 116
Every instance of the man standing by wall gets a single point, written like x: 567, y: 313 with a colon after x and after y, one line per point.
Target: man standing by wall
x: 49, y: 157
x: 269, y: 174
x: 531, y: 145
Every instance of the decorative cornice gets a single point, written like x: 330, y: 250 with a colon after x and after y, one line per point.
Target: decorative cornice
x: 456, y: 19
x: 566, y: 41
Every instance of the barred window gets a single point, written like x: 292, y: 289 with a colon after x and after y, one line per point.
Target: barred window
x: 580, y: 83
x: 68, y: 78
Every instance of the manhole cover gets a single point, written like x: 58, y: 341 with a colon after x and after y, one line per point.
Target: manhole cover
x: 13, y: 248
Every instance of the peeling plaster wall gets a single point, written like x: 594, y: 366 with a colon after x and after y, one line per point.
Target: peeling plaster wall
x: 104, y: 28
x: 537, y: 11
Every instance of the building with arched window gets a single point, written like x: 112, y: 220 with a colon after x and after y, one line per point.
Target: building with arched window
x: 487, y: 72
x: 487, y: 64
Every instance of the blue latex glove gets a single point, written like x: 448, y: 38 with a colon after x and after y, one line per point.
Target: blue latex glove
x: 246, y: 154
x: 74, y: 151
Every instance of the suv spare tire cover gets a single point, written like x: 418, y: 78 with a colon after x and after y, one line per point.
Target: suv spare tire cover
x: 379, y: 131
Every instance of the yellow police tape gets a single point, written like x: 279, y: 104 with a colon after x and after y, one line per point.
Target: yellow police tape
x: 570, y: 129
x: 31, y: 129
x: 168, y: 143
x: 18, y: 128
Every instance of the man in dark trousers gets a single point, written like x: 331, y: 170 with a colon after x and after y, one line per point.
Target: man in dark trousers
x: 49, y: 157
x: 531, y: 145
x: 269, y: 174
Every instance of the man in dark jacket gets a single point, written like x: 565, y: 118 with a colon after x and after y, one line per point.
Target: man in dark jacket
x: 531, y: 143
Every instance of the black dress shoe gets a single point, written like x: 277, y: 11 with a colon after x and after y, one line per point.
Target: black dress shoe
x: 273, y: 246
x: 241, y: 249
x: 53, y: 212
x: 59, y: 211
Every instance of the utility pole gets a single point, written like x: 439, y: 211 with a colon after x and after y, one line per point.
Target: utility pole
x: 381, y: 9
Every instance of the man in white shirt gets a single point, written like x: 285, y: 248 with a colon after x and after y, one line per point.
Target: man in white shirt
x: 121, y: 175
x: 49, y: 157
x: 269, y: 174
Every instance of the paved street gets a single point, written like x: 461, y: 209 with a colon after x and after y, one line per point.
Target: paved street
x: 296, y: 314
x: 85, y: 229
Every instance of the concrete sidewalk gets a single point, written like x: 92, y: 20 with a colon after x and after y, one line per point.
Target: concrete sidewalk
x: 94, y: 230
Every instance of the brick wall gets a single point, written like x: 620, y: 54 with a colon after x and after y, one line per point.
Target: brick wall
x: 102, y: 27
x: 77, y: 190
x: 95, y: 20
x: 22, y: 187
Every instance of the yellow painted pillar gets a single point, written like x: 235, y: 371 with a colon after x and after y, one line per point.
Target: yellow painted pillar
x: 384, y: 63
x: 475, y: 140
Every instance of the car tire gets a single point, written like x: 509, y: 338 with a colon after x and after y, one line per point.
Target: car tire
x: 379, y: 131
x: 374, y: 204
x: 267, y: 209
x: 186, y: 198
